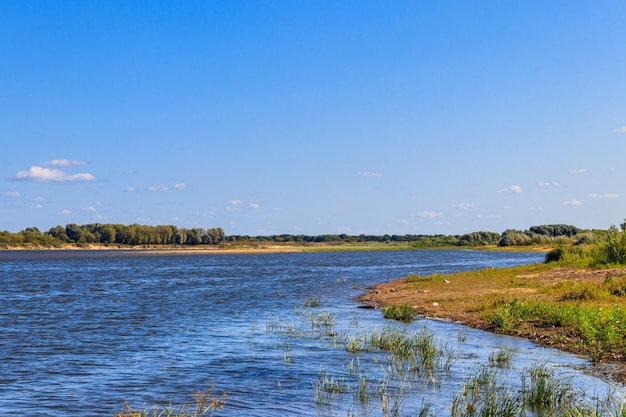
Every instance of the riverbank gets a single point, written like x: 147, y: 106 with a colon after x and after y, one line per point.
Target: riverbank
x: 239, y: 248
x: 579, y: 311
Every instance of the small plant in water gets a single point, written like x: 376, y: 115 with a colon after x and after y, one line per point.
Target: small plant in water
x: 205, y: 404
x: 500, y: 358
x: 402, y: 313
x: 310, y: 302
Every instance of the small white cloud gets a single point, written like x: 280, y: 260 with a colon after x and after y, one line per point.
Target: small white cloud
x: 180, y: 186
x: 91, y: 209
x: 548, y: 184
x: 12, y: 194
x: 66, y: 212
x: 37, y: 206
x: 99, y: 217
x: 234, y: 205
x: 430, y: 214
x: 130, y: 189
x: 579, y: 171
x: 513, y: 189
x: 573, y: 203
x: 406, y: 222
x: 63, y: 163
x: 37, y: 173
x: 38, y: 198
x: 158, y: 188
x: 621, y: 130
x: 254, y: 206
x: 465, y: 206
x: 370, y: 174
x: 602, y: 196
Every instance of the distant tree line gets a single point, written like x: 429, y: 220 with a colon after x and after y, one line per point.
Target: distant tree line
x: 136, y: 234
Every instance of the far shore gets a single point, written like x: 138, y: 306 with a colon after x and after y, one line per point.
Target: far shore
x: 252, y: 248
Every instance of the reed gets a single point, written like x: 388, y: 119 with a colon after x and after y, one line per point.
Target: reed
x: 500, y: 358
x: 403, y: 313
x: 312, y: 301
x: 326, y: 386
x: 205, y: 404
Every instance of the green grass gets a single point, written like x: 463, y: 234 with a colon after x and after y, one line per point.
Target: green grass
x: 403, y: 313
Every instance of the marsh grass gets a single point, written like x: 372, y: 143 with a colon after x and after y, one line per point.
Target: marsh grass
x: 205, y: 404
x: 542, y: 390
x: 500, y: 358
x: 326, y: 386
x: 542, y: 393
x: 403, y: 313
x: 311, y: 302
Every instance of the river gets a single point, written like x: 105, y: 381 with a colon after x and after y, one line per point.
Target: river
x: 83, y: 332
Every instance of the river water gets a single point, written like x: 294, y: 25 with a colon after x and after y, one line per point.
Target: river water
x: 83, y: 332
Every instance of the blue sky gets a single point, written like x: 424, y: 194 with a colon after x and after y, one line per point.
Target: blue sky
x: 313, y: 117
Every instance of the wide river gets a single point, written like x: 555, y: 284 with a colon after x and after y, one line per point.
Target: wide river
x: 83, y: 332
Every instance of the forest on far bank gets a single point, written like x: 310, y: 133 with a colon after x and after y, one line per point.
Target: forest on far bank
x: 136, y: 234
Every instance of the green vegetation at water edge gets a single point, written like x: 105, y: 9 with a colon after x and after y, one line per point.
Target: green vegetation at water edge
x: 136, y: 234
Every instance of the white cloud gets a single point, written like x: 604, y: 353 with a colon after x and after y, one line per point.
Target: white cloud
x: 602, y: 195
x: 180, y: 186
x: 99, y: 217
x: 234, y: 205
x: 548, y: 184
x: 158, y: 188
x: 573, y: 203
x: 37, y: 206
x: 63, y: 163
x: 406, y: 222
x: 579, y: 171
x: 370, y: 174
x: 513, y: 189
x: 130, y: 189
x: 621, y: 130
x: 12, y: 194
x: 92, y: 209
x: 38, y: 198
x: 65, y: 212
x: 465, y: 206
x: 430, y: 214
x: 254, y: 206
x: 37, y: 173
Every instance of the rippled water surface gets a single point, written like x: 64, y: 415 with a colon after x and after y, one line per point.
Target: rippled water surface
x: 84, y: 331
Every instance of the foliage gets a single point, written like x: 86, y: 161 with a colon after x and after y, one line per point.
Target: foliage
x: 614, y: 248
x: 479, y: 239
x: 554, y: 230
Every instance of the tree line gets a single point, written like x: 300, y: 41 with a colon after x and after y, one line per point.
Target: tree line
x: 136, y: 234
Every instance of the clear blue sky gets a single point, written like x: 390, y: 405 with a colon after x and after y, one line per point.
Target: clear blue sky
x: 313, y: 117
